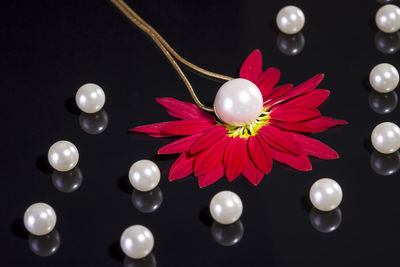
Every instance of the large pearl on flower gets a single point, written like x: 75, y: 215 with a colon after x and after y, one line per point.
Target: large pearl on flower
x: 290, y: 19
x: 238, y: 102
x: 90, y: 98
x: 326, y: 194
x: 63, y: 156
x: 388, y: 18
x: 386, y: 137
x: 137, y: 241
x: 384, y: 78
x: 40, y: 219
x: 144, y: 175
x: 226, y: 207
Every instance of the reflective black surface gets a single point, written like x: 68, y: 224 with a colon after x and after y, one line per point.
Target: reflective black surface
x: 50, y: 48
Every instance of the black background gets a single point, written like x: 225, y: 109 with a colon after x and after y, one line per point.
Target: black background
x: 50, y: 48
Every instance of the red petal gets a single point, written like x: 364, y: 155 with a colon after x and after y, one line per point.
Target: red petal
x: 258, y: 156
x: 278, y: 139
x: 211, y: 177
x: 299, y: 162
x: 209, y: 138
x: 182, y: 110
x: 251, y: 68
x: 181, y: 168
x: 267, y: 80
x: 292, y: 114
x: 235, y: 157
x: 179, y: 146
x: 312, y: 99
x: 314, y: 147
x: 291, y: 126
x: 186, y: 127
x: 252, y: 174
x: 152, y: 129
x: 277, y: 92
x: 321, y: 124
x: 301, y: 89
x: 209, y: 159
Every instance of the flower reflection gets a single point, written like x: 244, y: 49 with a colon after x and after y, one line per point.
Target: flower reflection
x: 325, y: 222
x: 94, y: 123
x: 68, y: 181
x: 46, y: 245
x: 383, y: 103
x: 147, y: 202
x: 387, y: 43
x: 148, y: 261
x: 385, y: 164
x: 290, y: 45
x: 227, y: 234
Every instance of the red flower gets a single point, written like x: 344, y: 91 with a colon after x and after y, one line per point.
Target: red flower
x: 212, y: 148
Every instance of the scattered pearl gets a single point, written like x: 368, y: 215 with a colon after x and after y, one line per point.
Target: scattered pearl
x: 137, y: 241
x: 226, y: 207
x: 144, y: 175
x: 326, y: 194
x: 40, y: 219
x: 386, y: 137
x: 384, y: 78
x: 238, y: 102
x: 63, y: 156
x: 90, y: 98
x: 290, y: 19
x: 388, y: 18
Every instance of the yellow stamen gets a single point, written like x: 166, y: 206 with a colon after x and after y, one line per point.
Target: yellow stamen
x: 250, y: 129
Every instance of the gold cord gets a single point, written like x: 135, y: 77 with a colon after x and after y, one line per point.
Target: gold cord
x: 168, y: 51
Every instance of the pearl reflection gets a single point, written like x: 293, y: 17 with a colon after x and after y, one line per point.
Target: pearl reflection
x: 45, y: 245
x: 148, y: 261
x: 290, y: 45
x: 67, y: 182
x: 383, y: 103
x: 325, y: 222
x: 387, y: 43
x: 147, y: 202
x: 227, y: 234
x: 385, y: 164
x: 93, y: 123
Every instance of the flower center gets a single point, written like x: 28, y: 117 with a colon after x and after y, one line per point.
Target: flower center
x: 250, y: 129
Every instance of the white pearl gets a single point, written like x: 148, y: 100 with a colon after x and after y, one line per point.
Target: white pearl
x: 290, y: 19
x: 238, y: 102
x: 90, y: 98
x: 386, y: 137
x: 384, y: 78
x: 137, y: 241
x: 144, y: 175
x: 40, y: 219
x: 63, y: 156
x: 388, y: 18
x: 226, y: 207
x: 326, y: 194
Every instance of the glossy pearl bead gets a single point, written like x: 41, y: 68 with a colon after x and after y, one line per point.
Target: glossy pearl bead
x: 90, y: 98
x: 226, y: 207
x: 386, y: 137
x: 290, y: 19
x: 384, y: 78
x: 144, y: 175
x: 238, y: 102
x: 326, y: 194
x: 388, y: 18
x: 137, y: 241
x: 63, y: 156
x: 40, y: 219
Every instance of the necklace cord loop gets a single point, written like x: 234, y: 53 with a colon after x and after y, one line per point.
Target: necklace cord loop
x: 169, y: 52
